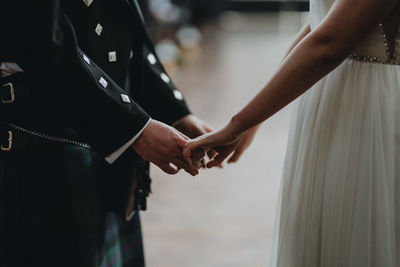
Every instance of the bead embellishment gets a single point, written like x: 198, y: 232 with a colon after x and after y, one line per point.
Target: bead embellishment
x: 389, y: 60
x: 396, y: 52
x: 385, y: 41
x: 368, y: 59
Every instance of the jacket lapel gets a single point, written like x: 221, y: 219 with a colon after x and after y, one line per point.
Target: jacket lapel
x: 134, y: 14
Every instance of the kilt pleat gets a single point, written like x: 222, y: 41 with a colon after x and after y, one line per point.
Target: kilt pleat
x: 52, y: 212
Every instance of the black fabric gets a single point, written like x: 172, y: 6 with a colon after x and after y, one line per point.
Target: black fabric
x: 52, y: 211
x: 51, y: 208
x: 45, y: 38
x: 54, y: 205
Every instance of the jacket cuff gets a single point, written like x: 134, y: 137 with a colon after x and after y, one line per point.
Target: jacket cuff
x: 116, y: 154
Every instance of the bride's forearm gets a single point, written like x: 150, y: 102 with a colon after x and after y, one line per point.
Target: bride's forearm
x: 320, y: 52
x: 304, y: 31
x: 298, y: 72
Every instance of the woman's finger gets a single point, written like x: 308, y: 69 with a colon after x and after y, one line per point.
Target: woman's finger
x: 205, y: 142
x: 187, y: 150
x: 218, y: 159
x: 191, y: 146
x: 211, y: 153
x: 236, y: 155
x: 197, y: 154
x: 208, y: 129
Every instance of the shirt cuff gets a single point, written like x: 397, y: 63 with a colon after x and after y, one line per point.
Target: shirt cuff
x: 116, y: 154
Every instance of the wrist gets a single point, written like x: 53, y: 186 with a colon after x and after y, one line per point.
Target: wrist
x: 181, y: 121
x: 143, y: 134
x: 236, y: 126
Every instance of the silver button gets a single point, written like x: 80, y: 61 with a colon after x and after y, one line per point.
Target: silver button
x: 112, y: 56
x: 98, y: 29
x: 152, y: 59
x: 178, y: 95
x: 165, y: 77
x: 103, y: 82
x: 87, y: 60
x: 125, y: 98
x: 88, y: 2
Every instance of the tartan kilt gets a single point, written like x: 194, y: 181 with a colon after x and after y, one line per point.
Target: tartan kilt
x: 53, y: 212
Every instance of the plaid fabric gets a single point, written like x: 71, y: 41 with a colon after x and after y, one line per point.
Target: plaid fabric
x: 52, y: 212
x: 123, y: 243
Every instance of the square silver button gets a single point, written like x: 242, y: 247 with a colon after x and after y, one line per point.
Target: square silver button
x: 165, y: 77
x: 103, y: 82
x: 112, y: 56
x: 178, y: 95
x: 98, y: 29
x: 125, y: 98
x: 152, y: 59
x: 88, y: 2
x: 87, y: 60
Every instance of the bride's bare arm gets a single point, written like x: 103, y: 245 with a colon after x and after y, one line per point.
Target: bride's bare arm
x: 304, y: 31
x: 316, y: 55
x: 250, y: 134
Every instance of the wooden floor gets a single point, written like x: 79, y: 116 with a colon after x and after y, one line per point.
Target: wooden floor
x: 225, y: 218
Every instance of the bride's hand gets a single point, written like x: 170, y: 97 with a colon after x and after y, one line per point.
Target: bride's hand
x: 245, y: 142
x: 224, y: 142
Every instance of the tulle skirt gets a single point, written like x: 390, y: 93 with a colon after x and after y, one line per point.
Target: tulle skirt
x: 340, y: 193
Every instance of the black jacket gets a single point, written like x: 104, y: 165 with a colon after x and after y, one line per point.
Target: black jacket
x: 56, y: 44
x: 64, y: 56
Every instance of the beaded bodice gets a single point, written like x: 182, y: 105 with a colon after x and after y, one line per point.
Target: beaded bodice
x: 375, y: 48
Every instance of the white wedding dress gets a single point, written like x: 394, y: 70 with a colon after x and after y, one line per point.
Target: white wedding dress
x: 340, y: 198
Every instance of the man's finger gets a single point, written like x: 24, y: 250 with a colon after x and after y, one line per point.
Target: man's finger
x: 183, y: 165
x: 195, y: 166
x: 169, y: 168
x: 180, y: 163
x: 193, y: 173
x: 197, y: 154
x: 181, y: 142
x: 187, y: 150
x: 183, y: 136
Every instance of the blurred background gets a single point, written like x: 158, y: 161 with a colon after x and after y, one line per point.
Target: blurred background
x: 219, y: 53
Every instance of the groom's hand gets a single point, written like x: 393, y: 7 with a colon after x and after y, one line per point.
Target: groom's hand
x: 193, y: 127
x: 162, y: 145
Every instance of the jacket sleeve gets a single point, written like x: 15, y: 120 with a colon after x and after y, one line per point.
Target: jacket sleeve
x: 88, y: 98
x: 159, y: 97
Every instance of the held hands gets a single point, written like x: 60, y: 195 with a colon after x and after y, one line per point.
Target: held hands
x: 194, y: 127
x: 162, y: 145
x: 224, y: 142
x: 172, y: 150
